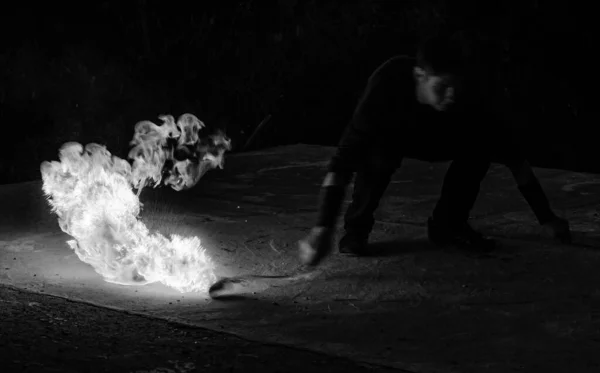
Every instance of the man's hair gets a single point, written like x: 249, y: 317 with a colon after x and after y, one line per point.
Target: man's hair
x: 442, y: 54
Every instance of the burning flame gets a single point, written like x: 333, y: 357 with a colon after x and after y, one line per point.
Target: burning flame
x: 92, y: 192
x: 176, y: 150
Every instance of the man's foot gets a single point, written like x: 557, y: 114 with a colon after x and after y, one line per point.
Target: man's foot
x: 353, y: 246
x: 463, y: 237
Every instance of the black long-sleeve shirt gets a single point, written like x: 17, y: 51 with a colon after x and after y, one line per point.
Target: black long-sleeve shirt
x: 389, y: 119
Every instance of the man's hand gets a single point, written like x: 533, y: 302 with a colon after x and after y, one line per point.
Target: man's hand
x: 316, y: 246
x: 558, y: 229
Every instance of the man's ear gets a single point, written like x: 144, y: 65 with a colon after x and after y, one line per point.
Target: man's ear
x: 419, y: 73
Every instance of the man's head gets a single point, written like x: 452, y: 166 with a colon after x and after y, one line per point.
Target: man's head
x: 439, y: 72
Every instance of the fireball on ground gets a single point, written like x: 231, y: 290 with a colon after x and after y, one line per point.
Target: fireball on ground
x: 92, y: 193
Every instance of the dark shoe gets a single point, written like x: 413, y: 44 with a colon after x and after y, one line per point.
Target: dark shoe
x: 463, y: 237
x: 353, y: 245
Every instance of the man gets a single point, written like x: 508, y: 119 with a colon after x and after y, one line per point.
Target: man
x: 438, y: 107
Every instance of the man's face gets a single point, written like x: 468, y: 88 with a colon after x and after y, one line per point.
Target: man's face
x: 437, y: 91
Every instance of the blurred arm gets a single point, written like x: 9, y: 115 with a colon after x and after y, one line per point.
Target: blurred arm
x: 532, y: 191
x: 518, y: 147
x: 341, y: 169
x: 358, y: 138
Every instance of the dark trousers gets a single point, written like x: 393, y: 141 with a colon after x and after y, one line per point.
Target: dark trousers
x: 459, y: 191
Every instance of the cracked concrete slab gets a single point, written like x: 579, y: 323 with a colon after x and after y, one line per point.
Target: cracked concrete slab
x: 411, y: 306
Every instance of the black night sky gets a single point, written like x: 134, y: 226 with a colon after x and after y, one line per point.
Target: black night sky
x: 75, y: 71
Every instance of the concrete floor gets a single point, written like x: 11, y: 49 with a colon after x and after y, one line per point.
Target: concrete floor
x: 532, y: 306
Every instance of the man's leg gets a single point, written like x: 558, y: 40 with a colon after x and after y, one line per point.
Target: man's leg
x: 460, y: 190
x: 370, y: 183
x: 449, y: 223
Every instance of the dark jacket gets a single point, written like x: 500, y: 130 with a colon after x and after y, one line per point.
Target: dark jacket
x: 389, y: 120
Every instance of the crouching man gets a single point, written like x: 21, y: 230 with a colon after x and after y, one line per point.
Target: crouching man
x: 430, y: 108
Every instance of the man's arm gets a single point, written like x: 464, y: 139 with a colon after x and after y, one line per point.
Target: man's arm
x: 532, y: 191
x: 333, y: 192
x: 317, y: 245
x: 372, y: 110
x: 341, y: 169
x: 377, y: 107
x: 516, y: 147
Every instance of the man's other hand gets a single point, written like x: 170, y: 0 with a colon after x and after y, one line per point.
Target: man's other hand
x: 558, y: 229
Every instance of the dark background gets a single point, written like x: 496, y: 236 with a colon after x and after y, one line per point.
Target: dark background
x: 88, y: 71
